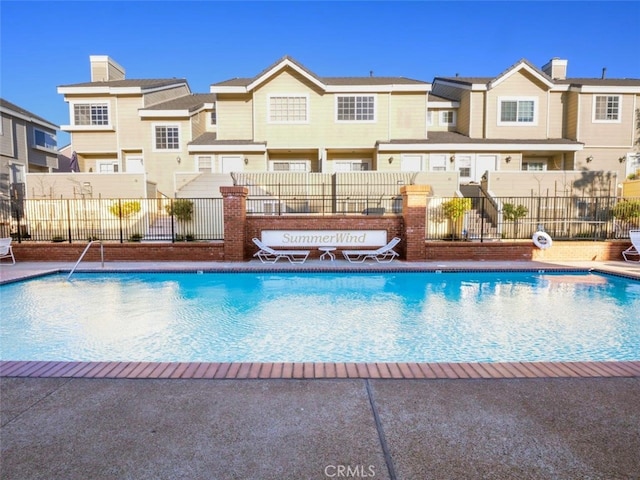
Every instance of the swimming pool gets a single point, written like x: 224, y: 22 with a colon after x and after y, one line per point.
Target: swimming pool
x: 322, y: 317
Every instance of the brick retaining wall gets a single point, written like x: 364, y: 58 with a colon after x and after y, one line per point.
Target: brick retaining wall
x: 214, y: 252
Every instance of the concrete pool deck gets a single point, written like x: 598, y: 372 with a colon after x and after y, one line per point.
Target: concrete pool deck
x: 485, y: 425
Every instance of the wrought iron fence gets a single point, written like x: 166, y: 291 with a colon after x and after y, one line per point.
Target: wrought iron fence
x: 121, y: 220
x: 467, y: 218
x: 570, y: 218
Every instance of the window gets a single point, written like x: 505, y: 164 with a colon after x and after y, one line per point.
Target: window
x: 107, y: 166
x: 448, y: 118
x: 606, y: 108
x: 517, y: 111
x: 351, y: 166
x: 44, y: 139
x: 214, y: 118
x: 534, y: 166
x: 356, y: 108
x: 91, y: 114
x: 430, y: 119
x: 287, y: 109
x: 205, y: 164
x: 301, y: 166
x: 167, y: 137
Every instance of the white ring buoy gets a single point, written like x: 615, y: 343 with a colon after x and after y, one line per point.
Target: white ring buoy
x: 542, y: 240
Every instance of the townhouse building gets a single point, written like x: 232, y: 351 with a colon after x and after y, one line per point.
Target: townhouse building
x: 504, y: 132
x: 27, y: 144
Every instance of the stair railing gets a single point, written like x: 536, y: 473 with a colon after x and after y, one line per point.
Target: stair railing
x: 84, y: 252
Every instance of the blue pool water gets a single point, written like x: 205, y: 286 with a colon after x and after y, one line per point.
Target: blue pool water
x: 312, y: 317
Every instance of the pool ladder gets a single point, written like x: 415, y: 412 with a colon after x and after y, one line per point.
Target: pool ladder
x: 85, y: 251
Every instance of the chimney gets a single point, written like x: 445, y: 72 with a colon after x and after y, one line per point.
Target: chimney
x: 556, y: 68
x: 604, y: 72
x: 104, y: 69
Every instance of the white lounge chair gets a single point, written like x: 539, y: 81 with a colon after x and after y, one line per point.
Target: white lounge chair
x: 632, y: 254
x: 6, y: 251
x: 269, y: 255
x: 381, y: 255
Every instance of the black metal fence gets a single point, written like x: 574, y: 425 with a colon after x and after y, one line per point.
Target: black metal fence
x: 467, y: 218
x: 121, y: 220
x: 568, y: 218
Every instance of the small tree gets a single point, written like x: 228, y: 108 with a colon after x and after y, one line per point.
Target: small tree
x: 514, y: 213
x: 125, y: 209
x: 182, y: 210
x: 454, y: 210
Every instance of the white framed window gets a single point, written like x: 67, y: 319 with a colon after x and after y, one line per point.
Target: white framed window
x: 107, y: 166
x: 213, y: 119
x: 534, y: 166
x: 93, y: 114
x: 355, y: 108
x: 289, y: 166
x: 167, y: 137
x: 518, y: 111
x: 351, y: 166
x: 448, y: 117
x: 288, y: 109
x: 606, y: 108
x: 430, y: 119
x: 44, y: 139
x: 205, y: 163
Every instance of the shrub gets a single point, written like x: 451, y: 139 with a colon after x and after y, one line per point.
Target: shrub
x: 125, y: 209
x: 626, y: 210
x: 456, y: 207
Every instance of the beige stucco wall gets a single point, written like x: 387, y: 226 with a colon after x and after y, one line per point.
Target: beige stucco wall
x: 407, y: 115
x: 620, y: 134
x: 235, y: 117
x: 519, y: 85
x: 91, y: 185
x: 567, y: 183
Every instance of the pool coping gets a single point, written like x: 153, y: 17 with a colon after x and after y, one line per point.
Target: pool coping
x: 322, y: 370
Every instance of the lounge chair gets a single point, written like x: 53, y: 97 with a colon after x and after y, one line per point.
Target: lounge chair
x: 381, y: 255
x: 6, y: 251
x: 632, y: 254
x: 269, y: 255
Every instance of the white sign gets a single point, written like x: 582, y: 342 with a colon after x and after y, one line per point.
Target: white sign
x: 324, y: 238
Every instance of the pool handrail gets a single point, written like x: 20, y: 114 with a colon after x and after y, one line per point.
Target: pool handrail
x: 85, y: 251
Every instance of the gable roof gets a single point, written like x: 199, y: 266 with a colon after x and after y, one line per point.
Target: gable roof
x: 24, y: 114
x: 123, y: 86
x: 486, y: 83
x: 243, y: 85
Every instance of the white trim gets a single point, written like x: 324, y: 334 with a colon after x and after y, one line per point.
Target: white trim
x: 224, y: 148
x: 606, y: 89
x: 477, y: 87
x: 109, y: 90
x: 166, y: 125
x: 518, y: 99
x: 378, y: 88
x: 281, y: 65
x: 447, y: 124
x: 593, y: 109
x: 521, y: 66
x: 351, y: 122
x: 288, y: 96
x: 477, y: 147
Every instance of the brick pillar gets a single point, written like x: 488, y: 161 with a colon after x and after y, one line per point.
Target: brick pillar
x: 235, y: 222
x: 414, y: 214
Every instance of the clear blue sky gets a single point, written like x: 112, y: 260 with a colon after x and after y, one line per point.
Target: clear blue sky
x: 47, y: 44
